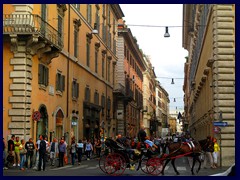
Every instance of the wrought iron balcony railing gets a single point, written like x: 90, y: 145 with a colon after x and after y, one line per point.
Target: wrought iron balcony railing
x: 25, y: 24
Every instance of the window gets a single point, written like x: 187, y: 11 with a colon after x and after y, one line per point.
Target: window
x: 109, y: 16
x: 103, y: 65
x: 104, y: 27
x: 114, y: 46
x: 103, y: 101
x: 97, y: 18
x: 108, y: 76
x: 89, y: 13
x: 103, y: 10
x: 96, y: 98
x: 60, y: 82
x: 87, y: 94
x: 96, y: 60
x: 76, y: 30
x: 109, y: 40
x: 88, y: 51
x: 43, y: 75
x: 108, y: 104
x: 75, y: 89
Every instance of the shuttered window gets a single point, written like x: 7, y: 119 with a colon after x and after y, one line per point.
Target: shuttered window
x: 89, y: 13
x: 60, y: 82
x: 96, y: 98
x: 75, y: 89
x: 43, y: 75
x: 103, y: 101
x: 87, y: 94
x: 108, y: 104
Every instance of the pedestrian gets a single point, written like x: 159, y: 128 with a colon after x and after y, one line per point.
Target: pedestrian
x: 42, y: 153
x: 37, y: 146
x: 208, y: 153
x: 53, y: 151
x: 215, y: 152
x: 62, y: 151
x: 98, y: 146
x: 4, y: 155
x: 17, y: 143
x: 79, y: 151
x: 11, y: 152
x: 29, y: 146
x: 47, y: 154
x: 73, y: 151
x: 22, y: 152
x: 89, y: 149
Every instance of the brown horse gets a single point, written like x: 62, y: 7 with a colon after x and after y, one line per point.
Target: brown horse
x: 179, y: 149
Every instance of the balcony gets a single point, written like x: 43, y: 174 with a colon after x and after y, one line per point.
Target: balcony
x: 28, y: 24
x: 119, y: 89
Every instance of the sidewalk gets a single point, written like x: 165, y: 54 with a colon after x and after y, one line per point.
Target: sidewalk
x: 48, y: 166
x: 206, y: 171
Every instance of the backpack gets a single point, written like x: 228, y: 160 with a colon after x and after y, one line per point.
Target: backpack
x: 42, y: 146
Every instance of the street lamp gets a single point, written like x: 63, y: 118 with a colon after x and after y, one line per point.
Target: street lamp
x: 166, y: 32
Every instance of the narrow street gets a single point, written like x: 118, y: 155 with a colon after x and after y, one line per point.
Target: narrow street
x: 91, y: 168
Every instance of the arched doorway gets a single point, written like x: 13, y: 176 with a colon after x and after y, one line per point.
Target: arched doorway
x: 59, y: 124
x: 42, y: 124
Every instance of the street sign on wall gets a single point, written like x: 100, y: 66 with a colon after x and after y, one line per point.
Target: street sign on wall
x: 220, y: 123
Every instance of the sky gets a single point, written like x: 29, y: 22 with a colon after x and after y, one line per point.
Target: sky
x: 167, y: 55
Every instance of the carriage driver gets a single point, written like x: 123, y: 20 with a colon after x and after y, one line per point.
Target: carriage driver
x: 142, y: 137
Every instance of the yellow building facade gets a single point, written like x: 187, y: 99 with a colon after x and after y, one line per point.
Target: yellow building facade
x: 149, y: 99
x: 209, y: 37
x: 58, y: 74
x: 162, y: 109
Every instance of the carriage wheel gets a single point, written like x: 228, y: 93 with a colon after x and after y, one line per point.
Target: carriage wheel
x: 154, y: 166
x: 101, y: 162
x: 144, y: 164
x: 115, y: 164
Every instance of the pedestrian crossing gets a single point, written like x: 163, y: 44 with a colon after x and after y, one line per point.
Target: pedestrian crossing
x: 87, y: 167
x: 71, y: 167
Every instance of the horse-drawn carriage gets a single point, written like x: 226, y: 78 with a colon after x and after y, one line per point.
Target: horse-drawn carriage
x: 119, y: 157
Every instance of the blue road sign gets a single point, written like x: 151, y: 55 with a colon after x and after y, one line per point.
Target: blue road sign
x: 219, y: 123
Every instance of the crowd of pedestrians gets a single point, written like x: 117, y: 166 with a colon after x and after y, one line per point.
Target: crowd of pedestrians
x: 30, y: 155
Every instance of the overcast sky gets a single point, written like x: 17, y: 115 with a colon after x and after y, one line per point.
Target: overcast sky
x: 167, y: 54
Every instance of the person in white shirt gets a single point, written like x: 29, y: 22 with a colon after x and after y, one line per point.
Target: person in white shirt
x: 79, y: 151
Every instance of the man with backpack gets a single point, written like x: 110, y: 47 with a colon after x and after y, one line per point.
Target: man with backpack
x: 42, y: 152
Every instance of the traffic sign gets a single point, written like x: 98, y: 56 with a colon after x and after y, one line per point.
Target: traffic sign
x: 216, y: 129
x: 220, y: 123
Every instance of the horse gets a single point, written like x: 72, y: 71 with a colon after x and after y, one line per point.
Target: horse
x: 179, y: 149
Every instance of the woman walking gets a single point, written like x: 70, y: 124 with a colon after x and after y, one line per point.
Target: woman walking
x: 215, y: 153
x: 23, y: 152
x: 88, y: 149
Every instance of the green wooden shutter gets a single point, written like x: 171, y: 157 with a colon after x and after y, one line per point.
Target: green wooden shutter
x: 47, y: 76
x: 40, y: 73
x: 57, y: 82
x: 63, y: 82
x: 77, y: 90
